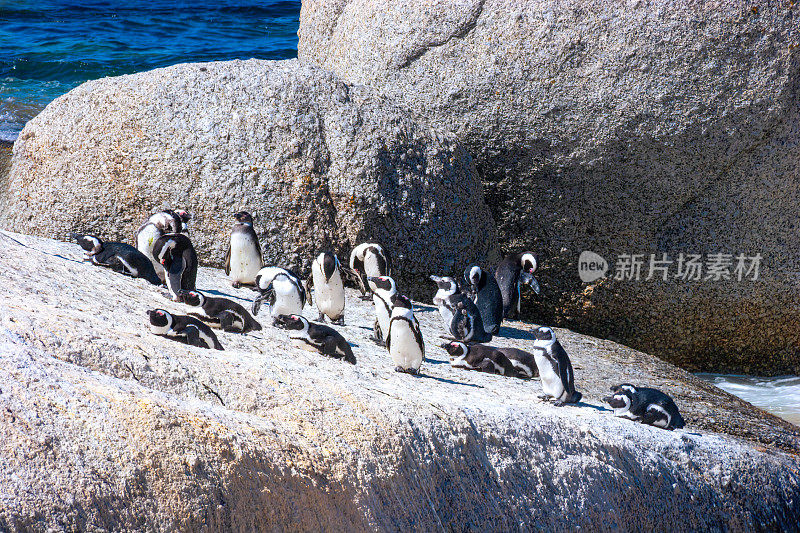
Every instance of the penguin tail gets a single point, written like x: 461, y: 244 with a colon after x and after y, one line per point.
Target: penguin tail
x: 576, y: 397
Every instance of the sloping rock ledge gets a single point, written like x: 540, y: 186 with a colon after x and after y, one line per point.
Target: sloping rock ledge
x: 105, y: 426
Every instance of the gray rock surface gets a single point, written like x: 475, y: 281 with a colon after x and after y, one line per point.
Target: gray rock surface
x: 320, y: 164
x: 108, y: 427
x: 618, y: 127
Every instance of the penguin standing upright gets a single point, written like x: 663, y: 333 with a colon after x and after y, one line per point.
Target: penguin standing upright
x: 404, y: 339
x: 282, y: 289
x: 326, y: 279
x: 176, y: 254
x: 384, y: 289
x: 316, y: 337
x: 461, y: 317
x: 157, y: 225
x: 243, y: 260
x: 118, y: 256
x: 648, y: 406
x: 555, y: 368
x: 513, y: 272
x: 368, y: 260
x: 485, y: 292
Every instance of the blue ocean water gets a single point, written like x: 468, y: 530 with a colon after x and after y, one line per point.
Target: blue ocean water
x: 47, y: 47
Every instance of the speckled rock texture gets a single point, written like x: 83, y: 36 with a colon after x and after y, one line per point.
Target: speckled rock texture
x: 618, y: 127
x: 107, y: 427
x: 320, y: 165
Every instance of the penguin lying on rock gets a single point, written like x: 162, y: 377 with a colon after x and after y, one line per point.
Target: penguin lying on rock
x: 182, y: 328
x: 231, y: 317
x: 117, y: 256
x: 316, y: 337
x: 648, y: 406
x: 504, y: 361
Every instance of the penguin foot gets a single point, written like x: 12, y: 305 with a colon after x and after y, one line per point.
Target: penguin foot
x: 378, y: 341
x: 558, y: 403
x: 366, y: 297
x: 545, y: 398
x: 236, y: 284
x: 339, y: 321
x: 321, y: 317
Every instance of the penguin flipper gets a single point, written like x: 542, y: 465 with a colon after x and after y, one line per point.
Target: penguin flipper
x: 388, y: 339
x: 228, y: 261
x: 308, y: 285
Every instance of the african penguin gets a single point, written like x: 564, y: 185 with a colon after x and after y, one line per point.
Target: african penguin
x: 648, y: 406
x: 367, y: 260
x: 282, y: 289
x: 176, y: 254
x: 404, y: 339
x: 184, y: 328
x: 243, y: 260
x: 231, y: 317
x: 158, y: 224
x: 460, y: 315
x: 513, y: 272
x: 316, y: 337
x: 117, y: 256
x: 326, y: 278
x: 485, y: 292
x: 479, y: 357
x: 383, y: 289
x: 555, y: 368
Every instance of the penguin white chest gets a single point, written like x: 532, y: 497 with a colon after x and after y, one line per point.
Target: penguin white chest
x: 329, y: 294
x: 382, y: 313
x: 551, y: 382
x: 405, y: 351
x: 287, y: 299
x: 245, y: 260
x: 145, y: 240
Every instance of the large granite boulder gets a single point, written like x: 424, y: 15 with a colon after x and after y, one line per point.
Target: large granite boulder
x: 108, y: 427
x: 320, y: 164
x: 636, y: 127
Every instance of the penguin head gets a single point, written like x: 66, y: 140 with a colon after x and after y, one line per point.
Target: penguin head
x: 544, y: 334
x: 90, y: 243
x: 243, y: 217
x: 447, y: 285
x: 383, y: 283
x: 292, y: 322
x: 185, y: 217
x: 194, y: 298
x: 402, y: 301
x: 528, y: 262
x: 456, y: 349
x: 473, y: 276
x: 160, y: 318
x: 624, y: 387
x: 622, y: 397
x: 329, y: 264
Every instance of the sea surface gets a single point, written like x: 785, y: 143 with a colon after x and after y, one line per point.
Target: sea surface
x: 779, y: 396
x: 47, y: 47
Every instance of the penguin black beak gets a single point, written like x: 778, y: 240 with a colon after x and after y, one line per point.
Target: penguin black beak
x: 257, y: 304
